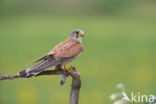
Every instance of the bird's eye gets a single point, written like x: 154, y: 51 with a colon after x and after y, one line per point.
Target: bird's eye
x: 77, y: 32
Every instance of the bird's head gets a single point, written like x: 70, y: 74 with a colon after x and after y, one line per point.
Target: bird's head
x: 77, y: 35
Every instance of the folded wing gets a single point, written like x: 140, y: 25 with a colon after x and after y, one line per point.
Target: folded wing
x: 69, y: 48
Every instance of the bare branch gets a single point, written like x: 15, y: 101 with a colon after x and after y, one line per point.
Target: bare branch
x: 11, y: 76
x: 47, y: 72
x: 75, y: 86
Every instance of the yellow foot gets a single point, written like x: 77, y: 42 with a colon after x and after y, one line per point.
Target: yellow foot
x: 67, y: 68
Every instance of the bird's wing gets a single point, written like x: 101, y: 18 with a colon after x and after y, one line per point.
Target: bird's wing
x: 68, y: 48
x: 40, y: 59
x: 50, y: 54
x: 43, y: 58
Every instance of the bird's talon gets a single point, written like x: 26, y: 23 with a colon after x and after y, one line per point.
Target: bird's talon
x: 67, y: 69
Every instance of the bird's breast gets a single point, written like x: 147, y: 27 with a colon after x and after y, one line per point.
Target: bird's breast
x: 69, y: 60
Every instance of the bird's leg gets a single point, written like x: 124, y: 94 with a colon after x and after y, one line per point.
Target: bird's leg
x: 66, y: 73
x: 67, y: 68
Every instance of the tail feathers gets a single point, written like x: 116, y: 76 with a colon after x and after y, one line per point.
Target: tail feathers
x: 33, y: 71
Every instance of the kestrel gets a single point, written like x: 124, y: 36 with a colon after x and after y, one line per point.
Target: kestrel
x: 59, y: 56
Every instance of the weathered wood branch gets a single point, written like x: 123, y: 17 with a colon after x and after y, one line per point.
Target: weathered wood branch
x: 10, y: 76
x: 75, y: 86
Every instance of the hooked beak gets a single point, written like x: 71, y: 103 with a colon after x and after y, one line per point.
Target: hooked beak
x: 82, y: 35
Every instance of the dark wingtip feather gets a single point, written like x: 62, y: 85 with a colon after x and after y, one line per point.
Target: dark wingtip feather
x: 40, y: 59
x: 22, y: 73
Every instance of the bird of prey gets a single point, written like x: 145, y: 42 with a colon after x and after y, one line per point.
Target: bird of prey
x: 59, y: 56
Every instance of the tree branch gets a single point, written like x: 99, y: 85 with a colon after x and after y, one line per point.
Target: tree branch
x: 11, y: 76
x: 47, y: 72
x: 75, y: 86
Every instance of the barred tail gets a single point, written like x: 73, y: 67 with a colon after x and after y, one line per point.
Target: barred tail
x: 24, y: 74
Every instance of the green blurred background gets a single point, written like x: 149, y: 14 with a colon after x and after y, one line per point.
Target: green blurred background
x: 120, y: 47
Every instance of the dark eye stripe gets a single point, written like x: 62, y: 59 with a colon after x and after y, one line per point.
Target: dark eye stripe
x: 77, y: 35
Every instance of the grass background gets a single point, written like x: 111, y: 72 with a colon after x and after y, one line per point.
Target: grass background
x: 119, y: 48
